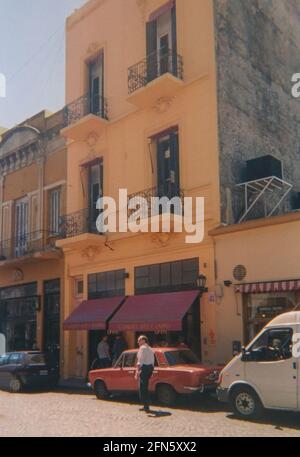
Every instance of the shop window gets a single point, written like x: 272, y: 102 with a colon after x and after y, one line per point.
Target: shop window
x: 79, y: 288
x: 259, y: 309
x: 167, y: 277
x: 106, y: 284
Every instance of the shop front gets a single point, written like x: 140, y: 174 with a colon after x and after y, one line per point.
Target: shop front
x: 258, y: 278
x: 262, y: 302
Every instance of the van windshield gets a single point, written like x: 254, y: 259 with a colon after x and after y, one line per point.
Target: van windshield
x: 273, y: 344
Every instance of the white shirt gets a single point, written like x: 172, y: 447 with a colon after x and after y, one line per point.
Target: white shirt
x: 145, y: 356
x: 103, y: 350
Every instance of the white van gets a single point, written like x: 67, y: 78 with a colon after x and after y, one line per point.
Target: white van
x: 267, y: 372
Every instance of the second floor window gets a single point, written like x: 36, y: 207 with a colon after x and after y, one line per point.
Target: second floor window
x: 21, y: 226
x: 54, y: 210
x: 167, y: 147
x: 95, y: 185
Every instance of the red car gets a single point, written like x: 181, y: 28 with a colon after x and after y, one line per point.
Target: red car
x: 176, y: 371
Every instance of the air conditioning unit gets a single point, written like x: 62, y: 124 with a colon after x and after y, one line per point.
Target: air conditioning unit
x: 263, y: 167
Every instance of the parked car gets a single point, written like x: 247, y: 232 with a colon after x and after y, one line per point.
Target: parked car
x: 266, y: 373
x: 177, y: 371
x: 19, y: 370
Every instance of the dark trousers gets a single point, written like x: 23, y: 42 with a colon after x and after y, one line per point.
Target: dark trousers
x: 104, y: 363
x: 145, y: 375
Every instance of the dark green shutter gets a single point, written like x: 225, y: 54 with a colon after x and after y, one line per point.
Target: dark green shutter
x: 174, y: 41
x: 151, y: 39
x: 160, y: 169
x: 174, y: 143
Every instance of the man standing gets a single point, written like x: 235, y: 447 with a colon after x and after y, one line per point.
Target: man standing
x: 145, y: 367
x: 103, y: 353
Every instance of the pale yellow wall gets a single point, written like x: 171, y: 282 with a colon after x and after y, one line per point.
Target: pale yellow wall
x: 20, y: 183
x: 55, y: 167
x: 269, y: 253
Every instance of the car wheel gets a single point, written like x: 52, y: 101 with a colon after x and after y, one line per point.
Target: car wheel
x: 166, y: 395
x: 101, y: 390
x: 15, y: 385
x: 246, y: 403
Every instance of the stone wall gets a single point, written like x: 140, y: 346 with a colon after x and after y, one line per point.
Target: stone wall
x: 257, y: 51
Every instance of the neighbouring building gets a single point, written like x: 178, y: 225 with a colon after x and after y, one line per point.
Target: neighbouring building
x: 32, y: 198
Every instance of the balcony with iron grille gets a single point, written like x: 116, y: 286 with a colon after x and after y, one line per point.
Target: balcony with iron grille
x: 157, y: 77
x: 78, y: 228
x: 166, y: 212
x: 85, y: 115
x: 29, y: 247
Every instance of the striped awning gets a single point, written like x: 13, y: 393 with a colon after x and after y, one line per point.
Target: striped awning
x: 268, y: 287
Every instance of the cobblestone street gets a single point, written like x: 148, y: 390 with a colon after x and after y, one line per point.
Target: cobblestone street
x: 67, y: 413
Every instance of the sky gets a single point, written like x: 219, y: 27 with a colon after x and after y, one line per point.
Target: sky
x: 32, y: 56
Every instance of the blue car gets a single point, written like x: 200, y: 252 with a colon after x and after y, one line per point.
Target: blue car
x: 21, y: 370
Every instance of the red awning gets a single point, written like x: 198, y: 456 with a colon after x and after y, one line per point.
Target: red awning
x: 162, y: 10
x: 93, y: 314
x: 268, y: 287
x: 153, y: 312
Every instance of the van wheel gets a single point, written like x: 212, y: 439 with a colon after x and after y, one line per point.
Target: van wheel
x: 246, y: 403
x: 166, y: 395
x: 101, y: 390
x: 15, y: 385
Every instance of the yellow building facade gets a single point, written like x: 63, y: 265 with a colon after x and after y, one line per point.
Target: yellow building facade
x: 141, y: 115
x: 32, y: 197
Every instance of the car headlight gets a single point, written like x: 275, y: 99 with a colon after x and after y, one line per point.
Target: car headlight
x: 213, y: 376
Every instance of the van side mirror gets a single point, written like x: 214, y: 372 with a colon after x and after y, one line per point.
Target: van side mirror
x: 246, y: 355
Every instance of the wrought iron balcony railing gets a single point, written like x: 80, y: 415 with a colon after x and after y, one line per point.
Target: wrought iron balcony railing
x: 78, y: 223
x: 143, y: 199
x: 87, y: 104
x: 27, y: 245
x: 154, y: 65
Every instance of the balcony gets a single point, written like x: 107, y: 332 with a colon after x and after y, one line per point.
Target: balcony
x: 29, y: 247
x: 157, y: 77
x: 78, y: 228
x: 154, y: 215
x: 85, y: 115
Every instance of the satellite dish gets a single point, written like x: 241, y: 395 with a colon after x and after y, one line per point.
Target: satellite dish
x: 2, y: 344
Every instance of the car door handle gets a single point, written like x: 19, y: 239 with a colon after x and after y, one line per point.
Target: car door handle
x: 295, y: 366
x: 131, y: 372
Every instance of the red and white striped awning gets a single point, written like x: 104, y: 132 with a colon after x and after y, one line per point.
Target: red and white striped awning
x: 268, y: 287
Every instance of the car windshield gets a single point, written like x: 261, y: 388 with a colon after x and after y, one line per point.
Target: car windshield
x: 181, y: 357
x: 36, y: 359
x: 3, y: 359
